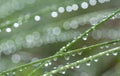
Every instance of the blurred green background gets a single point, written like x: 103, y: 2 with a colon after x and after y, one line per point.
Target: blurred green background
x: 35, y: 29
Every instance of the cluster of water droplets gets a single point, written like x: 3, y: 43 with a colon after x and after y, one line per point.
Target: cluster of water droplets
x: 13, y: 73
x: 69, y: 8
x: 75, y: 7
x: 17, y: 23
x: 34, y: 40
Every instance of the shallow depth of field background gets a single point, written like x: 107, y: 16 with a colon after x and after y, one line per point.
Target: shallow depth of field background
x: 35, y: 29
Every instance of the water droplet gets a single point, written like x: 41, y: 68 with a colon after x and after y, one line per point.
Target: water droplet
x: 68, y: 44
x: 95, y: 60
x: 72, y: 67
x: 7, y: 73
x: 15, y: 58
x: 73, y: 54
x: 74, y: 24
x: 8, y: 29
x: 78, y: 66
x: 16, y: 25
x: 101, y: 1
x: 46, y: 64
x: 33, y: 60
x: 54, y: 67
x: 25, y: 67
x: 92, y: 2
x: 75, y: 7
x: 88, y: 64
x: 51, y: 75
x: 79, y: 53
x: 50, y: 63
x: 63, y: 72
x: 107, y: 46
x: 66, y: 25
x: 67, y: 63
x: 56, y: 30
x: 114, y: 43
x: 37, y: 18
x: 55, y: 59
x: 53, y: 71
x: 115, y: 53
x: 54, y: 14
x: 113, y: 17
x: 44, y: 74
x: 20, y: 70
x: 61, y: 9
x: 101, y: 47
x: 84, y: 5
x: 14, y: 73
x: 107, y: 54
x: 67, y: 57
x: 85, y: 38
x: 84, y: 58
x: 69, y: 9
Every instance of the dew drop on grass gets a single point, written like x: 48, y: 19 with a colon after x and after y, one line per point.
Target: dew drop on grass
x: 84, y: 38
x: 67, y: 57
x: 78, y: 66
x: 79, y: 53
x: 46, y: 65
x: 66, y: 25
x: 115, y: 53
x: 69, y: 9
x: 114, y: 43
x: 51, y: 75
x: 16, y: 25
x: 68, y: 44
x: 74, y: 24
x: 101, y: 1
x: 21, y: 70
x: 72, y: 67
x: 92, y: 2
x: 50, y: 63
x: 67, y: 63
x: 25, y: 67
x: 73, y: 54
x: 55, y: 59
x: 54, y: 67
x: 84, y: 5
x: 113, y: 17
x: 107, y: 46
x: 63, y: 48
x: 75, y: 7
x: 7, y: 74
x: 37, y: 18
x: 15, y: 58
x: 56, y: 30
x: 63, y: 72
x: 14, y: 73
x: 107, y: 54
x: 61, y: 9
x: 101, y: 47
x: 95, y: 60
x: 8, y: 29
x: 44, y: 74
x: 53, y: 71
x: 88, y: 64
x: 54, y: 14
